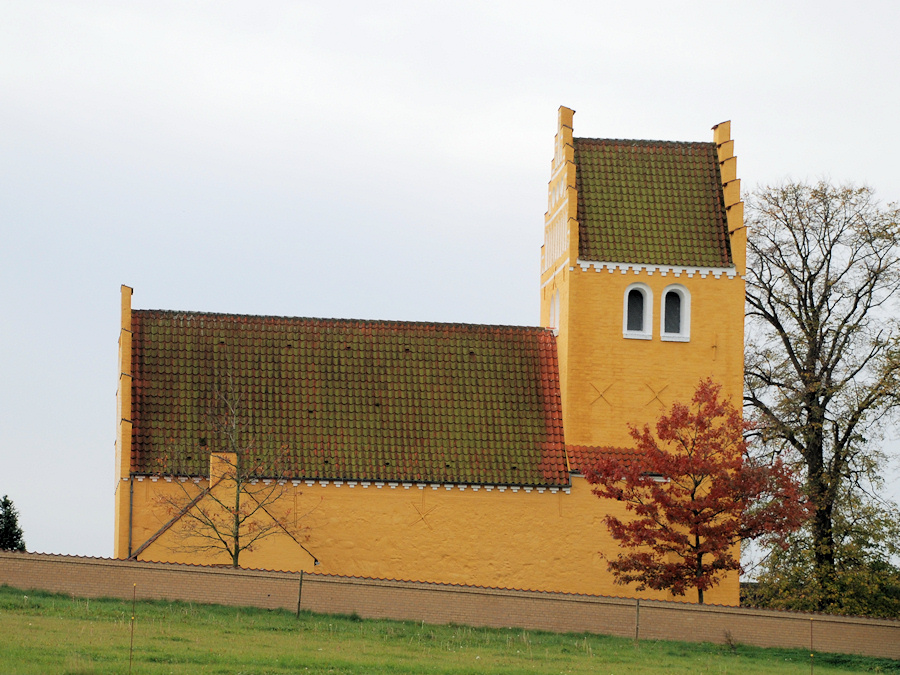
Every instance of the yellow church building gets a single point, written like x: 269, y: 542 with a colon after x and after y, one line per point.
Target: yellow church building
x: 450, y: 452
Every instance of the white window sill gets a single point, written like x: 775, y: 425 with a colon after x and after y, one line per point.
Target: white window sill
x: 634, y: 335
x: 671, y: 337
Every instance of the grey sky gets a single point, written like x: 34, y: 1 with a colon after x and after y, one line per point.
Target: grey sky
x: 352, y: 159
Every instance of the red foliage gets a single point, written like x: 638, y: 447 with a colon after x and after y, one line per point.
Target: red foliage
x: 694, y: 493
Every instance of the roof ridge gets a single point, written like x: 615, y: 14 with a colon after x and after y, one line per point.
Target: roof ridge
x: 382, y: 322
x: 643, y: 141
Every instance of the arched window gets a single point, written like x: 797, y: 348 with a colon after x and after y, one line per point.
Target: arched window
x: 675, y: 322
x: 554, y: 311
x: 637, y: 312
x: 672, y: 312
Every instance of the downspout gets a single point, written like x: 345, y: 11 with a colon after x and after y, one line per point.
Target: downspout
x: 130, y: 510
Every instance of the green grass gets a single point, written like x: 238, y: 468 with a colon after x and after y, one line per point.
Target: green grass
x: 43, y: 633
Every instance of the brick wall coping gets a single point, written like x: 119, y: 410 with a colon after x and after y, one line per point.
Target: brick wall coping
x: 227, y: 570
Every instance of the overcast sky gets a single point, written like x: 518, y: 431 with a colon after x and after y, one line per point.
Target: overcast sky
x: 352, y: 159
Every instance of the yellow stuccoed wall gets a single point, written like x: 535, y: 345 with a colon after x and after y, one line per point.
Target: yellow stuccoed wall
x: 123, y: 428
x: 508, y: 539
x: 612, y: 381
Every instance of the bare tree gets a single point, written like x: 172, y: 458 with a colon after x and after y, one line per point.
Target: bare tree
x: 247, y: 497
x: 823, y: 366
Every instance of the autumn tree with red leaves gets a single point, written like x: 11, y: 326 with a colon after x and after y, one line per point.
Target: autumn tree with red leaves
x: 694, y: 493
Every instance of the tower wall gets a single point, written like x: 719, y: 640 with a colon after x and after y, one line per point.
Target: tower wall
x: 609, y: 380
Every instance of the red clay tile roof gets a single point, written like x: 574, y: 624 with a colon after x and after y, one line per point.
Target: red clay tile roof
x: 582, y: 456
x: 352, y: 400
x: 650, y: 202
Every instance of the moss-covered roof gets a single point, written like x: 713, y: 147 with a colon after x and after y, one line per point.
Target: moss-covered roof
x: 351, y: 400
x: 650, y: 202
x: 582, y: 457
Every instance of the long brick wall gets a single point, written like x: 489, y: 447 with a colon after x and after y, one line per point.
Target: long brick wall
x: 102, y: 577
x: 440, y: 603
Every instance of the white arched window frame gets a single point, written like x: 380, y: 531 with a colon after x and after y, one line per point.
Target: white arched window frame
x: 554, y: 311
x: 637, y: 312
x: 675, y: 314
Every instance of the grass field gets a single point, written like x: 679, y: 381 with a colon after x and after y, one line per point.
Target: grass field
x: 44, y: 634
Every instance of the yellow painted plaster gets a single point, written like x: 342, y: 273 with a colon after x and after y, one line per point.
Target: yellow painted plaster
x: 613, y: 381
x: 439, y: 533
x: 123, y: 429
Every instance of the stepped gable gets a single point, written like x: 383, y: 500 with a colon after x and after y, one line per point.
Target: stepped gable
x: 350, y: 400
x: 650, y: 203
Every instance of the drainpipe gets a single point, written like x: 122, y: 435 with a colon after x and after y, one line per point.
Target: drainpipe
x: 130, y: 510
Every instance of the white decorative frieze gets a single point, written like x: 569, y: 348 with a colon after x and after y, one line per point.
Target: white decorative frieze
x: 310, y: 482
x: 663, y: 270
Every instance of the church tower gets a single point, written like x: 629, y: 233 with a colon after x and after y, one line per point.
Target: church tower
x: 642, y: 277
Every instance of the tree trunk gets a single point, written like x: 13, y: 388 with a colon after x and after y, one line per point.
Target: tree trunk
x: 823, y: 545
x: 822, y: 522
x: 699, y: 570
x: 237, y: 515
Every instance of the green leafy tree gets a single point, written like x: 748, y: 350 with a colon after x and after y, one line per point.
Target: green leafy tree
x: 867, y: 579
x: 822, y: 368
x: 10, y: 532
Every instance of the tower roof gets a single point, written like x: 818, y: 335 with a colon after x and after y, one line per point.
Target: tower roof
x: 650, y: 202
x: 350, y: 400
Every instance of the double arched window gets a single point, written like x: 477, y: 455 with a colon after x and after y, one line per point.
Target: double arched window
x: 675, y: 313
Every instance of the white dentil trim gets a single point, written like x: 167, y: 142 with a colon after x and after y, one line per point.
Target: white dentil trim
x: 664, y: 270
x: 379, y: 484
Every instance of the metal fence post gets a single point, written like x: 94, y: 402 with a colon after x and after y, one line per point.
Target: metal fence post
x: 299, y: 593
